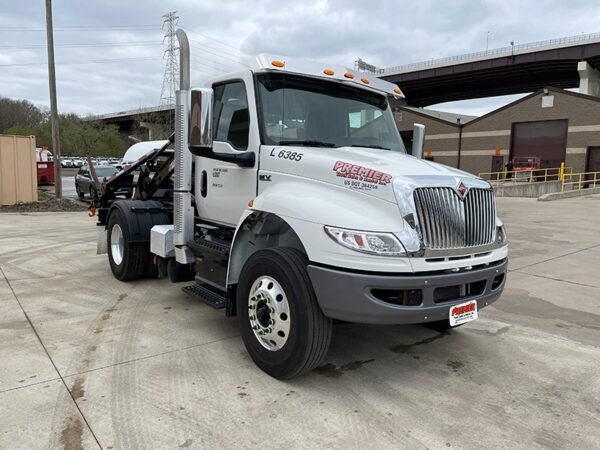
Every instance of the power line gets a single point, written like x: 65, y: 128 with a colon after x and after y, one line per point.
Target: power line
x: 213, y: 73
x: 93, y: 44
x: 211, y: 68
x: 84, y: 28
x: 88, y: 61
x: 205, y: 47
x: 206, y: 55
x: 215, y: 40
x: 219, y: 67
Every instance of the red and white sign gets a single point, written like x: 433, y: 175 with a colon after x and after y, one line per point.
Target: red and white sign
x: 465, y: 312
x: 360, y: 173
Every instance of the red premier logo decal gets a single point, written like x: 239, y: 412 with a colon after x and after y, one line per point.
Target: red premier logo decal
x: 463, y: 309
x: 360, y: 173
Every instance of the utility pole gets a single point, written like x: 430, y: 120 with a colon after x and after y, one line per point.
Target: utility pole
x: 487, y: 42
x: 53, y: 105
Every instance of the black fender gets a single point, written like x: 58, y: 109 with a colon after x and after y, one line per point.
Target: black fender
x: 141, y: 216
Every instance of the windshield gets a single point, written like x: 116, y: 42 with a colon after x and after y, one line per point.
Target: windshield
x: 319, y: 113
x: 105, y: 171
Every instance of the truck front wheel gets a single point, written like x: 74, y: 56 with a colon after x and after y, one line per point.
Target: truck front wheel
x: 282, y: 325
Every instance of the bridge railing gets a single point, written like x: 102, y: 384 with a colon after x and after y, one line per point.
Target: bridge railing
x: 495, y: 53
x: 527, y: 176
x: 580, y: 181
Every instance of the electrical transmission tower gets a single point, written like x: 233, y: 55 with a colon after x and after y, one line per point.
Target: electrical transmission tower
x: 171, y: 78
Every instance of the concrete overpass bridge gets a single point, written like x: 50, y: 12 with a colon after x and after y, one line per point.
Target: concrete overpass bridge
x: 568, y: 62
x: 146, y: 123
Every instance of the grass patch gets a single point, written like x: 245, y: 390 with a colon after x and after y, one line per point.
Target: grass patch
x: 43, y: 196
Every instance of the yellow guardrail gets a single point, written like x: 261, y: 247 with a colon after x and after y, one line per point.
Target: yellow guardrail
x: 579, y: 181
x: 528, y: 176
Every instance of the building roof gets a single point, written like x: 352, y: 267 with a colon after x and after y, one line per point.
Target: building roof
x: 447, y: 116
x: 547, y: 89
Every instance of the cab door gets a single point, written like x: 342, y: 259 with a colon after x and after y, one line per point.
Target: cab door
x: 224, y: 188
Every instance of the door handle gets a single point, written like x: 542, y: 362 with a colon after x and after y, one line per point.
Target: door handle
x: 203, y: 183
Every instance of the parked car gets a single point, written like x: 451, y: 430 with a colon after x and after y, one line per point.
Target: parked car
x: 85, y: 185
x: 65, y: 162
x: 117, y: 164
x: 78, y: 163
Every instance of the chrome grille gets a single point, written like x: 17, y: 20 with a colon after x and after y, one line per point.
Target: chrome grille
x: 446, y: 221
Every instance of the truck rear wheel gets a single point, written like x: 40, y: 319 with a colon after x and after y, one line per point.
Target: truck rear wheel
x: 128, y: 261
x: 282, y: 325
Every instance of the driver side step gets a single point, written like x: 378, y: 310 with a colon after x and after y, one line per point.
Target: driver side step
x: 211, y: 296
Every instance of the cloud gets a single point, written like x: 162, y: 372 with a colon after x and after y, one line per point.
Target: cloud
x: 385, y: 33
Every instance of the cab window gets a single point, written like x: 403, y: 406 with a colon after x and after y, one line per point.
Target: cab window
x: 231, y: 119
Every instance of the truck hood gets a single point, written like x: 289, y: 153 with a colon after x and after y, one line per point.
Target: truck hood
x: 399, y: 164
x: 369, y: 171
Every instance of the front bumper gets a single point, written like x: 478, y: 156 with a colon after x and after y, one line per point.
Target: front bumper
x: 403, y: 298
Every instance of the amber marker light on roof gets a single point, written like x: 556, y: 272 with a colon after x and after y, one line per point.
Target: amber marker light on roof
x: 365, y: 80
x: 328, y: 72
x: 349, y: 75
x: 277, y: 63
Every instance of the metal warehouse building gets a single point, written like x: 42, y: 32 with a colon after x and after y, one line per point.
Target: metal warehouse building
x: 552, y: 124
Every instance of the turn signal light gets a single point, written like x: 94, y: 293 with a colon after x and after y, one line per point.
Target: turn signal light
x: 250, y: 203
x: 365, y: 80
x: 328, y: 72
x: 398, y: 91
x: 277, y: 63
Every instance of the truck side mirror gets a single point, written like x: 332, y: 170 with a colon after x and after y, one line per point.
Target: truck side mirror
x: 201, y: 104
x: 418, y: 140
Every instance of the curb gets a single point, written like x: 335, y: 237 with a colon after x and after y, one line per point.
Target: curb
x: 569, y: 194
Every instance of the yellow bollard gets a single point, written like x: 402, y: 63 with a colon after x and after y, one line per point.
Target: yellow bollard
x: 562, y: 171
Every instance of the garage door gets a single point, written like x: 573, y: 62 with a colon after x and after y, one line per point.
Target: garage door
x: 545, y: 139
x: 593, y: 159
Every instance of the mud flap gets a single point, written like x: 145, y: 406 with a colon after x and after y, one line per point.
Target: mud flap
x: 101, y: 240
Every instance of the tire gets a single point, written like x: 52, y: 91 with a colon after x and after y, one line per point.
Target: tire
x: 131, y: 261
x: 92, y: 192
x: 79, y: 193
x: 274, y: 273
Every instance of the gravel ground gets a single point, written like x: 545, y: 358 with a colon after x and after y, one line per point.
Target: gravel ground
x: 50, y: 205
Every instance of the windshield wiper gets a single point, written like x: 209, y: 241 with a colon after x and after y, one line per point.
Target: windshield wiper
x: 307, y: 143
x: 370, y: 146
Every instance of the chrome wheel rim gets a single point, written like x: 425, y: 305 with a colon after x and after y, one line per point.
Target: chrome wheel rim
x: 117, y: 245
x: 269, y: 313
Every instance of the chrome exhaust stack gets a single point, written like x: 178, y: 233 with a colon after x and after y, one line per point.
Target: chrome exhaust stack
x: 183, y: 212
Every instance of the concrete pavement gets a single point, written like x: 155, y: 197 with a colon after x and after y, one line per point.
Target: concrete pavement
x: 90, y: 362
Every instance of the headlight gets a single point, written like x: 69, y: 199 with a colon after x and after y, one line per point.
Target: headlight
x: 383, y: 244
x: 501, y: 236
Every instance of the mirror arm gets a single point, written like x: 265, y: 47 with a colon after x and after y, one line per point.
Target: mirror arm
x: 245, y: 159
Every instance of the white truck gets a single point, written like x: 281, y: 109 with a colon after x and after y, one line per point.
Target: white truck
x: 289, y: 199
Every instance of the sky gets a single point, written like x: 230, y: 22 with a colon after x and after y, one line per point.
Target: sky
x: 110, y: 54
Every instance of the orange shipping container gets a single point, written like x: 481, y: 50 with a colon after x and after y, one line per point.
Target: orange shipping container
x: 18, y: 172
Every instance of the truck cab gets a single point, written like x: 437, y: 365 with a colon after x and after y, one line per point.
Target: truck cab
x: 289, y: 200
